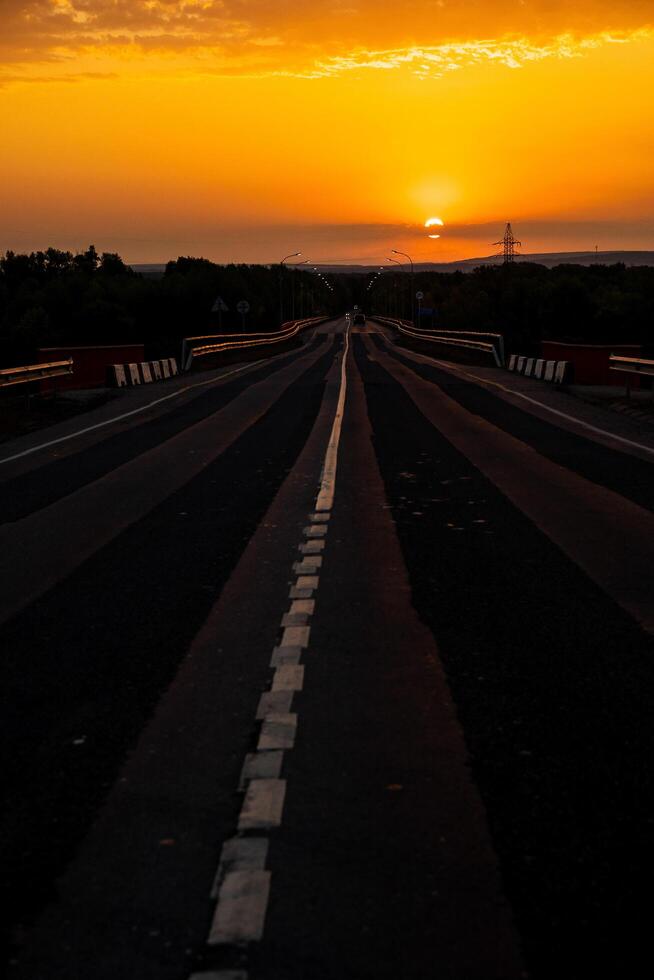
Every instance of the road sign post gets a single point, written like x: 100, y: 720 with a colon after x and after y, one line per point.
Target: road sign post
x: 243, y: 307
x: 419, y: 297
x: 220, y: 307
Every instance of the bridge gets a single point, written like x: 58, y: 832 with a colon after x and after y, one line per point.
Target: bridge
x: 332, y: 663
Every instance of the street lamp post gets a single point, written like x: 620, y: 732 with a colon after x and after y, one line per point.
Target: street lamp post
x: 281, y: 285
x: 396, y: 251
x: 395, y: 304
x: 306, y: 262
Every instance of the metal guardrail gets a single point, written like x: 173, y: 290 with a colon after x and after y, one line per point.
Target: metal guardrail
x: 452, y: 338
x: 192, y: 346
x: 631, y: 365
x: 34, y: 372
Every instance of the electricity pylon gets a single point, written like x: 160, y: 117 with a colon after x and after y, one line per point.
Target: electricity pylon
x: 508, y: 244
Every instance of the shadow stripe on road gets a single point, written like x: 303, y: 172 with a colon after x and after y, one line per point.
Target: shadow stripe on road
x: 85, y: 664
x: 23, y: 495
x: 554, y: 686
x: 631, y: 477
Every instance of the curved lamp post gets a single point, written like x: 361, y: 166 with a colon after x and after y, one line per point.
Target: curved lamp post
x: 395, y: 304
x: 396, y: 251
x: 281, y: 285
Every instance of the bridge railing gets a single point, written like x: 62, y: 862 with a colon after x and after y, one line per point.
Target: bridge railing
x: 194, y: 347
x: 471, y: 340
x: 34, y: 372
x: 631, y: 365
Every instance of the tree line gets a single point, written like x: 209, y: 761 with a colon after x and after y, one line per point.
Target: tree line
x: 526, y: 302
x: 56, y: 298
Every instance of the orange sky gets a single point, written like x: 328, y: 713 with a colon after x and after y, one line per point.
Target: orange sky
x: 243, y: 130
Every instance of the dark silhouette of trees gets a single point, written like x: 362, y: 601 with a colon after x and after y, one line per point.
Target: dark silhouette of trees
x: 55, y: 297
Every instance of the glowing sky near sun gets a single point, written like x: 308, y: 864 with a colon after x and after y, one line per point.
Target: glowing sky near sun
x: 245, y: 129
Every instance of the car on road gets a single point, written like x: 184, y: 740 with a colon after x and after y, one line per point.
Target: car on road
x: 359, y: 318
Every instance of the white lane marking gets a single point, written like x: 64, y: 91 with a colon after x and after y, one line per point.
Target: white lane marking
x: 547, y: 408
x: 312, y: 547
x: 240, y: 854
x: 241, y: 909
x: 328, y: 485
x: 303, y: 593
x: 307, y: 606
x: 286, y: 655
x: 260, y: 776
x: 260, y: 765
x: 315, y: 531
x: 295, y: 619
x: 127, y: 415
x: 278, y: 732
x: 308, y: 566
x: 263, y: 804
x: 274, y: 703
x: 296, y: 636
x: 288, y: 677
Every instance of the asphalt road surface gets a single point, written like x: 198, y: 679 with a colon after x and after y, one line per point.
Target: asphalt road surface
x: 337, y: 666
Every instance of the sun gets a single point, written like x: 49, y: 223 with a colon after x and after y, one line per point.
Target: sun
x: 434, y: 223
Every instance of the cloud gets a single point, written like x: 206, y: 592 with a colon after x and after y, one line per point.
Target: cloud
x: 326, y: 37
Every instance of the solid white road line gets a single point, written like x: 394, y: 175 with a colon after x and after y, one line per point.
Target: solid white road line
x: 326, y: 496
x: 127, y: 415
x: 534, y: 401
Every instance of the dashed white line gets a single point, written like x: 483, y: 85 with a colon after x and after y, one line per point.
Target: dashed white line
x: 261, y: 765
x: 286, y: 655
x: 241, y: 909
x: 240, y: 854
x: 274, y: 703
x: 263, y: 803
x: 288, y: 677
x: 278, y: 731
x: 242, y: 884
x: 296, y: 636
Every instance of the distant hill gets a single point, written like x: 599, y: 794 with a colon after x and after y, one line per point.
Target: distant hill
x: 548, y: 259
x: 153, y: 270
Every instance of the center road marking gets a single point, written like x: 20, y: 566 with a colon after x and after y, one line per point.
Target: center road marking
x: 242, y: 883
x: 326, y: 496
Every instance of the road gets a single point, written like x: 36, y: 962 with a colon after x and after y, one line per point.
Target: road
x: 377, y: 629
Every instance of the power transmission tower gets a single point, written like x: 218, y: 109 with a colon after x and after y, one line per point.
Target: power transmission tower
x: 508, y: 244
